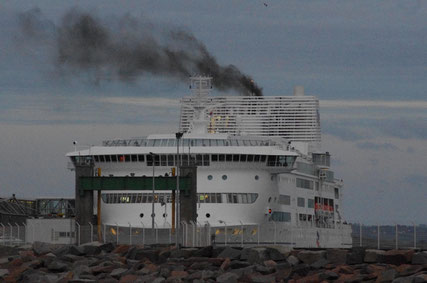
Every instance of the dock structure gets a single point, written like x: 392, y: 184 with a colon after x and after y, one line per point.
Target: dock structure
x: 87, y: 181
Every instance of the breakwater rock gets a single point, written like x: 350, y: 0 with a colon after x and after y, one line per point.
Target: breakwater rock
x: 96, y: 262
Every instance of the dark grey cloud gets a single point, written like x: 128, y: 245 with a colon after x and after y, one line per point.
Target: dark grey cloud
x: 416, y: 180
x: 376, y: 146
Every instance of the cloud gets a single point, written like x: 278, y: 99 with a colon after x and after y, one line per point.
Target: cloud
x: 376, y: 146
x: 416, y: 180
x: 143, y: 101
x: 420, y: 104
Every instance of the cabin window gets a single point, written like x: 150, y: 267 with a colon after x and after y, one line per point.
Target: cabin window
x: 221, y: 157
x: 101, y: 158
x: 305, y: 184
x: 156, y: 160
x: 236, y: 157
x: 96, y: 158
x: 243, y: 158
x: 310, y: 203
x: 229, y: 158
x: 163, y: 160
x: 214, y: 157
x: 224, y: 177
x: 256, y: 158
x: 301, y: 202
x: 107, y: 158
x: 263, y: 158
x: 250, y: 158
x: 134, y: 158
x: 113, y: 158
x: 141, y: 158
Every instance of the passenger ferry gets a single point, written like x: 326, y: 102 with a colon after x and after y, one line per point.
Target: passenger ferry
x: 258, y: 160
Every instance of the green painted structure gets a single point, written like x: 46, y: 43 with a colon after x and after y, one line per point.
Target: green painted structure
x: 134, y: 183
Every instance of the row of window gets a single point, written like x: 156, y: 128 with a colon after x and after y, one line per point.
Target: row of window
x: 286, y: 200
x: 188, y: 142
x: 167, y: 197
x: 197, y: 159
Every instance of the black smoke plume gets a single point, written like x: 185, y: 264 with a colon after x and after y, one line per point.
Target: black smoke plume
x: 127, y: 48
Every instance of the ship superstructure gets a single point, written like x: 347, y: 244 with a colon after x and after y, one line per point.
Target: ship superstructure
x: 258, y: 160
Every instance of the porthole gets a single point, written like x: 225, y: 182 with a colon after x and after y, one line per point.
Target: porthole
x: 210, y: 177
x: 141, y: 215
x: 208, y: 215
x: 256, y: 177
x: 224, y: 177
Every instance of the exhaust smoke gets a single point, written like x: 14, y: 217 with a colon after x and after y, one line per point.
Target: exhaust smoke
x: 127, y: 48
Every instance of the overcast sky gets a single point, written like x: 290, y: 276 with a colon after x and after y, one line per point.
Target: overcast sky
x: 365, y: 60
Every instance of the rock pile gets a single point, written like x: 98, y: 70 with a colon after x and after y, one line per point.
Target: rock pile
x: 96, y: 262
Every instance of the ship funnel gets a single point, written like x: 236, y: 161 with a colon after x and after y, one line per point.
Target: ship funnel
x: 299, y: 90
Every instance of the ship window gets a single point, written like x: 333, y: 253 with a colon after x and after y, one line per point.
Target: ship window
x: 164, y: 142
x: 271, y: 161
x: 220, y: 142
x: 305, y: 184
x: 205, y: 142
x: 127, y: 158
x: 107, y: 158
x: 134, y: 158
x: 206, y: 160
x: 113, y: 158
x: 163, y: 160
x: 253, y: 197
x: 226, y: 143
x: 221, y: 158
x: 263, y: 158
x: 245, y: 143
x: 229, y: 157
x: 234, y: 143
x: 156, y: 142
x: 244, y: 198
x: 281, y: 216
x: 256, y: 158
x: 236, y: 157
x: 156, y: 160
x: 150, y: 143
x: 184, y: 159
x: 214, y: 142
x: 224, y: 177
x: 210, y: 177
x: 214, y: 157
x: 139, y: 198
x: 250, y: 158
x: 140, y: 157
x: 310, y: 203
x: 337, y: 195
x: 235, y: 200
x: 301, y: 202
x: 149, y: 160
x: 121, y: 158
x: 199, y: 160
x: 229, y: 198
x: 101, y: 158
x: 256, y: 177
x: 171, y: 142
x: 96, y: 158
x: 243, y: 158
x: 285, y: 199
x: 149, y: 198
x: 170, y: 160
x: 218, y: 198
x: 144, y: 198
